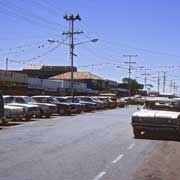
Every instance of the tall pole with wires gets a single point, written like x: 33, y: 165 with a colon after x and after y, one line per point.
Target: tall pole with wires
x: 164, y: 82
x: 130, y: 62
x: 174, y: 87
x: 7, y: 63
x: 158, y: 82
x: 145, y: 74
x: 71, y: 33
x: 171, y: 85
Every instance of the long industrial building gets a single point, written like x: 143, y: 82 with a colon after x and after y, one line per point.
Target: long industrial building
x: 41, y: 79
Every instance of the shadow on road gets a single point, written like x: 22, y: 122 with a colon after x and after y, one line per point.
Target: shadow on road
x: 160, y: 136
x: 12, y: 124
x: 23, y: 120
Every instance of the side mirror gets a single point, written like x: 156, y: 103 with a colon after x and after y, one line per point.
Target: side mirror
x: 138, y: 108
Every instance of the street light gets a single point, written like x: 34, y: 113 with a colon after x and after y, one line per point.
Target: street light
x: 57, y: 41
x: 94, y: 40
x: 51, y: 41
x: 72, y: 46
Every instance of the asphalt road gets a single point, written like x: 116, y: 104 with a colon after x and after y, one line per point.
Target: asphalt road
x: 91, y: 146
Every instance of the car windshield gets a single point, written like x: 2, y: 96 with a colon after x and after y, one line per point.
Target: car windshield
x: 20, y: 100
x: 43, y: 99
x: 86, y: 99
x: 8, y: 100
x: 75, y: 100
x: 162, y: 105
x: 68, y: 100
x: 28, y: 100
x: 61, y: 99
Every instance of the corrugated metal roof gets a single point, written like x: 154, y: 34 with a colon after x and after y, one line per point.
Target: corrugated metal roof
x: 77, y: 75
x: 33, y: 66
x: 48, y: 68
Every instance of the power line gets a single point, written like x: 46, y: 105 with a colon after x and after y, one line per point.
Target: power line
x: 39, y: 56
x: 28, y: 14
x: 22, y: 51
x: 35, y: 57
x: 14, y: 11
x: 49, y: 7
x: 100, y: 56
x: 110, y: 43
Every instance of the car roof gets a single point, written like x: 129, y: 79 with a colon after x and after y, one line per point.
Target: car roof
x: 162, y: 99
x: 7, y: 96
x: 42, y: 96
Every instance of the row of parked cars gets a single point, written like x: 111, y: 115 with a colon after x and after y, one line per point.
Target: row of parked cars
x: 26, y: 108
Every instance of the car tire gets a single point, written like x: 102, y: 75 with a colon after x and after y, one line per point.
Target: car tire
x: 61, y: 112
x: 4, y: 123
x: 136, y: 132
x: 28, y: 118
x: 48, y: 115
x: 41, y: 114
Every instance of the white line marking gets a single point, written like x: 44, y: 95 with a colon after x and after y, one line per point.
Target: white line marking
x: 118, y: 158
x: 131, y: 146
x: 100, y: 175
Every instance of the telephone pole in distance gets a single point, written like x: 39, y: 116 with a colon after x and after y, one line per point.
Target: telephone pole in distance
x: 130, y: 62
x: 7, y: 63
x: 164, y: 82
x: 145, y: 74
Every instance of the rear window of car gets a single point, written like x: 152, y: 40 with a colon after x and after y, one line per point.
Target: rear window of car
x: 165, y: 106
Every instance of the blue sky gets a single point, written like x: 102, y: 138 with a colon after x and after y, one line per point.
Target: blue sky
x: 149, y: 29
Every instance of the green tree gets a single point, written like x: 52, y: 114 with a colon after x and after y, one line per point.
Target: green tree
x: 133, y: 83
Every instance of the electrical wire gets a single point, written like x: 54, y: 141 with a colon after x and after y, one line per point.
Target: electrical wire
x: 15, y: 12
x: 41, y: 55
x: 24, y: 47
x: 27, y: 13
x: 110, y: 43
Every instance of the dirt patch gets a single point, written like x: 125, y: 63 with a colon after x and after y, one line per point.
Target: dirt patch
x: 164, y: 164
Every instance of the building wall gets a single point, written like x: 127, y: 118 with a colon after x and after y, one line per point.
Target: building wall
x: 94, y: 84
x: 13, y: 78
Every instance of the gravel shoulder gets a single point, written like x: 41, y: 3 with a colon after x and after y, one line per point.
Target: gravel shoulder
x: 163, y: 164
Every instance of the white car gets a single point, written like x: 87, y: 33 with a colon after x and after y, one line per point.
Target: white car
x: 46, y: 109
x: 30, y: 110
x: 157, y: 114
x: 13, y: 113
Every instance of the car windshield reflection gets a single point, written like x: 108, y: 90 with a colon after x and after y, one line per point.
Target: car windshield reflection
x: 163, y: 106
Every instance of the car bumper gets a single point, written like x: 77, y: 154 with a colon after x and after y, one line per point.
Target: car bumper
x: 155, y: 127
